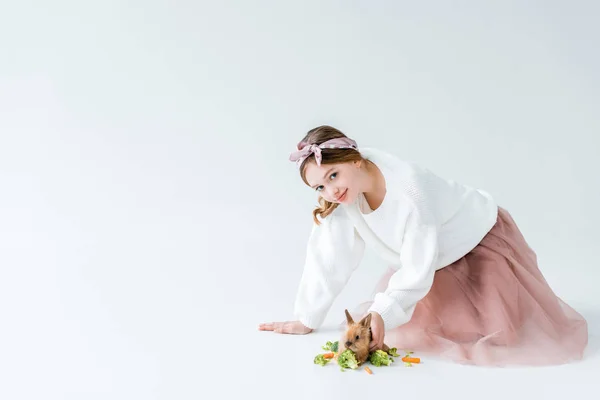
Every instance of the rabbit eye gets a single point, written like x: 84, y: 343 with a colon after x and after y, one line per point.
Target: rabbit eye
x: 357, y: 337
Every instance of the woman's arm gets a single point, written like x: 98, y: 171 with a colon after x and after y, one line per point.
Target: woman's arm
x: 334, y: 251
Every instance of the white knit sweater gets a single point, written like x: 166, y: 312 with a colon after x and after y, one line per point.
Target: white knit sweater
x: 424, y: 224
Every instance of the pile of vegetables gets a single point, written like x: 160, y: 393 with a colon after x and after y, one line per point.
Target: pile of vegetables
x: 347, y: 359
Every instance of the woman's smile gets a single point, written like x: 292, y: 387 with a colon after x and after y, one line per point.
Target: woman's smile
x: 342, y: 197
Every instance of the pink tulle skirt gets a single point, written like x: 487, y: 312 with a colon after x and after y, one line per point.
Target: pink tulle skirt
x: 492, y: 307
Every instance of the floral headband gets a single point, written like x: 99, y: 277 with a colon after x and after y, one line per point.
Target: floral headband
x: 305, y: 150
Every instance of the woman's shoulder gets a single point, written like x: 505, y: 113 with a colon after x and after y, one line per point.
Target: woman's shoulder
x: 401, y: 175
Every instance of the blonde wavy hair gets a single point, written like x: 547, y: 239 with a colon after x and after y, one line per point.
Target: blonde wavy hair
x: 317, y: 136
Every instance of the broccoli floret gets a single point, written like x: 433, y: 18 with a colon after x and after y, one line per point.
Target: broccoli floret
x: 347, y: 359
x: 379, y: 358
x: 321, y: 360
x: 331, y: 346
x: 393, y: 352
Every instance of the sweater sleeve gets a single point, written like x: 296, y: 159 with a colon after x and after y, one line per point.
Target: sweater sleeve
x: 418, y: 255
x: 334, y: 251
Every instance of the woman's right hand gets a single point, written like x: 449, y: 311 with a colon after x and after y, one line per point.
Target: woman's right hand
x: 291, y: 327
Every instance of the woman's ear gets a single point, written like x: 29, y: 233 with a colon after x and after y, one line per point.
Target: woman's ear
x: 357, y: 163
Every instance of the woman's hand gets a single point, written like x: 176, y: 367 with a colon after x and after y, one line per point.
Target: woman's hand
x: 291, y: 327
x: 377, y: 332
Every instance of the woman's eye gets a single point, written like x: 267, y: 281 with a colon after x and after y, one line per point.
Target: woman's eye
x: 332, y: 176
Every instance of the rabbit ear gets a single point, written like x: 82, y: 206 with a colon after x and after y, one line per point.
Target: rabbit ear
x: 348, y: 317
x: 366, y: 321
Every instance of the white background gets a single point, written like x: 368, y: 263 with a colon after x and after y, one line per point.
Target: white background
x: 150, y: 218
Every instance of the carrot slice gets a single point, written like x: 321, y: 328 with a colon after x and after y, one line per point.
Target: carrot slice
x: 414, y: 360
x: 368, y: 370
x: 328, y: 355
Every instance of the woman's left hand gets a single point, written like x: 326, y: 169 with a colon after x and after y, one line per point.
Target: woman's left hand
x: 377, y: 332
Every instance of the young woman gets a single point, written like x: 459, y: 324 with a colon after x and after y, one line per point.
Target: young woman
x: 462, y: 282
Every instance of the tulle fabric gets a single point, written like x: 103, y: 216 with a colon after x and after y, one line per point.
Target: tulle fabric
x: 492, y: 307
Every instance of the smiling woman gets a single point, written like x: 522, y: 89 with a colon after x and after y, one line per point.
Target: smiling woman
x: 463, y: 283
x: 338, y: 172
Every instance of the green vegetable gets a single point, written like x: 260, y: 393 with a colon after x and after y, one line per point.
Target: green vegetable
x: 347, y: 359
x: 393, y: 352
x: 321, y: 360
x: 379, y: 358
x: 331, y: 346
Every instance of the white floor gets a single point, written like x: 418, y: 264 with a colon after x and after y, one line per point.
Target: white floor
x: 125, y: 319
x: 150, y: 219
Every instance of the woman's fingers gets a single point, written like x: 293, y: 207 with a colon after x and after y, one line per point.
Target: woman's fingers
x: 268, y: 326
x: 272, y: 326
x: 290, y: 327
x: 376, y: 345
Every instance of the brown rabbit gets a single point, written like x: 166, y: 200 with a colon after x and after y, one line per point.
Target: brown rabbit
x: 358, y: 337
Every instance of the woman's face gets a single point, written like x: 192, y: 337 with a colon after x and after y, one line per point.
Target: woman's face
x: 336, y: 183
